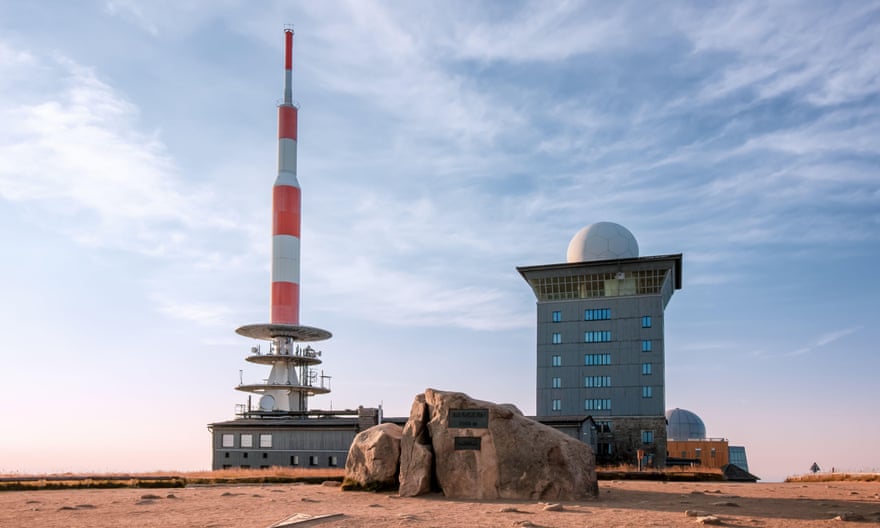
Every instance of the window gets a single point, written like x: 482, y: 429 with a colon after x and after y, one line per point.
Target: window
x: 698, y: 453
x: 556, y: 361
x: 331, y: 461
x: 557, y: 405
x: 264, y: 467
x: 556, y: 338
x: 266, y: 440
x: 294, y: 460
x: 646, y: 321
x: 226, y: 454
x: 646, y: 369
x: 712, y: 452
x: 597, y: 359
x: 603, y: 427
x: 227, y: 466
x: 601, y: 336
x: 227, y: 440
x: 313, y: 460
x: 646, y: 345
x: 556, y: 383
x: 265, y: 455
x: 597, y: 405
x: 245, y: 466
x: 597, y: 381
x: 244, y: 455
x: 247, y: 440
x: 597, y: 314
x: 647, y: 392
x: 647, y: 437
x: 557, y: 316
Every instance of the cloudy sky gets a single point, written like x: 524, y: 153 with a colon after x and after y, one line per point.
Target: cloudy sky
x: 441, y: 145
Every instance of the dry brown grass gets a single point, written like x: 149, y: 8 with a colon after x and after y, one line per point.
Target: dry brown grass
x: 631, y: 472
x: 835, y: 477
x: 167, y: 479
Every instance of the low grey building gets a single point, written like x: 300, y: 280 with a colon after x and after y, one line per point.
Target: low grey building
x: 319, y: 439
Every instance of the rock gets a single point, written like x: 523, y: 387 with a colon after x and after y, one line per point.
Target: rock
x: 696, y: 513
x: 709, y: 519
x: 374, y: 459
x: 553, y: 507
x: 514, y: 458
x: 150, y: 496
x: 726, y: 503
x: 849, y: 516
x: 416, y: 453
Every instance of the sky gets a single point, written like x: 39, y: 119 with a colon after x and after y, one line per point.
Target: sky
x: 441, y: 145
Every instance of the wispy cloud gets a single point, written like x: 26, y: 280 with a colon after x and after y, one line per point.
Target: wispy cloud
x: 78, y: 154
x: 824, y: 340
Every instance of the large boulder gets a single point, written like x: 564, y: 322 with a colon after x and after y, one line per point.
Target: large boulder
x: 373, y: 459
x: 502, y: 455
x: 416, y: 453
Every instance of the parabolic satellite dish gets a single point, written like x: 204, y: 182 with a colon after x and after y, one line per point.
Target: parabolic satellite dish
x: 267, y: 402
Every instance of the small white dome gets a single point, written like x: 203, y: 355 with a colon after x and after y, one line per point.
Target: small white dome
x: 602, y: 241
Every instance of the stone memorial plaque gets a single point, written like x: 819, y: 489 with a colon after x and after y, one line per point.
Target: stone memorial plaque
x: 469, y: 418
x: 467, y: 443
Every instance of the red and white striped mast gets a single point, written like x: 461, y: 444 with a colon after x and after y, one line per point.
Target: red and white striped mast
x: 286, y: 206
x: 292, y: 380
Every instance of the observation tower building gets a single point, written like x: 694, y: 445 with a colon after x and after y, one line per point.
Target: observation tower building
x: 600, y: 343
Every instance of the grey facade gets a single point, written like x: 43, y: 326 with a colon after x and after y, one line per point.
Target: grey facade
x: 600, y: 349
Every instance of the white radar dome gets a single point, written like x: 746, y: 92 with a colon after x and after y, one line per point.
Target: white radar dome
x: 602, y: 241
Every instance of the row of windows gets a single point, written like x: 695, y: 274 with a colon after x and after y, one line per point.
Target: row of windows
x: 332, y: 461
x: 597, y: 359
x: 597, y: 314
x: 642, y: 282
x: 589, y: 381
x: 245, y: 440
x: 597, y: 405
x: 600, y: 404
x: 602, y: 336
x: 589, y: 405
x: 597, y: 381
x: 597, y: 336
x: 555, y: 361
